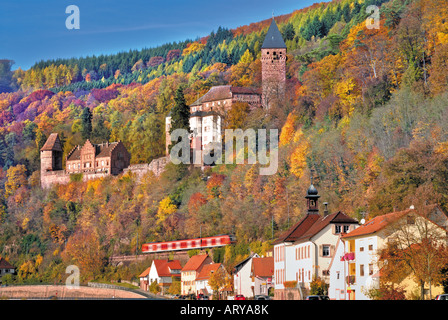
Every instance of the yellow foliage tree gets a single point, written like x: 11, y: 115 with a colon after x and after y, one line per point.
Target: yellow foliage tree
x: 194, y: 47
x: 287, y: 132
x: 166, y: 208
x: 16, y: 177
x: 298, y: 156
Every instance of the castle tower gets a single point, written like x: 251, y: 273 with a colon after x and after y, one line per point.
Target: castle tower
x: 273, y: 66
x: 51, y: 155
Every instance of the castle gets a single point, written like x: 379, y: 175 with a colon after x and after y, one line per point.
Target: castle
x: 101, y: 160
x: 91, y: 160
x: 206, y: 112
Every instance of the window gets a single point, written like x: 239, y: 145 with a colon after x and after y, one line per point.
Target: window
x: 361, y: 270
x: 346, y: 229
x: 326, y: 251
x: 361, y: 249
x: 370, y: 247
x: 410, y: 219
x: 370, y: 269
x: 337, y: 229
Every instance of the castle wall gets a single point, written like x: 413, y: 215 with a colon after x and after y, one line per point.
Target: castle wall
x: 49, y: 178
x: 157, y: 166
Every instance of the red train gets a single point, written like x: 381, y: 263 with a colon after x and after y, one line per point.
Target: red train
x: 188, y: 244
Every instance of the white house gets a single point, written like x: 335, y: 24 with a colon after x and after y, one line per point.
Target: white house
x: 242, y: 281
x: 162, y: 272
x: 5, y: 268
x: 338, y: 269
x: 305, y: 250
x: 354, y: 269
x: 202, y: 284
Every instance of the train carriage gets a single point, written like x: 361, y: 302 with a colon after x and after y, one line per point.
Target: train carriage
x: 188, y: 244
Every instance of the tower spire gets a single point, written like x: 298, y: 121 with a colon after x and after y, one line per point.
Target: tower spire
x: 312, y: 198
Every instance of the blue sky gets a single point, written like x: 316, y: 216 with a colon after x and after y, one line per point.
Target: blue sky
x: 34, y: 30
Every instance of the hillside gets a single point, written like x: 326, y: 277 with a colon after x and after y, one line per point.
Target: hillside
x: 365, y: 109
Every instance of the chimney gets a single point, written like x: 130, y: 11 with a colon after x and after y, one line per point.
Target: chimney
x: 326, y: 209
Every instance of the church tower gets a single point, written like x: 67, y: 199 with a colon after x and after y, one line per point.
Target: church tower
x: 312, y: 198
x: 273, y: 66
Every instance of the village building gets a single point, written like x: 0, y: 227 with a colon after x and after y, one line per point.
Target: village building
x: 262, y: 274
x: 190, y: 272
x: 161, y: 271
x: 242, y: 276
x: 355, y: 270
x: 304, y: 251
x: 202, y: 280
x: 5, y: 268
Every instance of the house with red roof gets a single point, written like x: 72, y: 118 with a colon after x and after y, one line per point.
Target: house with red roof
x: 354, y: 269
x: 5, y: 268
x: 242, y: 277
x: 305, y: 250
x: 161, y: 271
x: 262, y: 273
x: 202, y: 280
x: 191, y: 271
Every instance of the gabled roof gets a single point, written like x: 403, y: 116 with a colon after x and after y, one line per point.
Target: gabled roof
x: 145, y: 273
x: 164, y: 267
x: 263, y: 267
x: 195, y: 262
x: 324, y: 221
x: 52, y: 144
x: 101, y: 150
x: 273, y: 39
x: 378, y: 223
x: 311, y: 225
x: 223, y: 92
x: 5, y: 264
x: 207, y: 270
x: 297, y: 230
x: 246, y: 260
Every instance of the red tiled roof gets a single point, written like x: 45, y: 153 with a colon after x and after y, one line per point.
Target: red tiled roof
x: 164, y: 267
x: 310, y: 225
x: 263, y: 267
x: 5, y: 264
x: 207, y: 270
x: 195, y: 262
x: 297, y: 230
x: 324, y: 221
x: 377, y: 223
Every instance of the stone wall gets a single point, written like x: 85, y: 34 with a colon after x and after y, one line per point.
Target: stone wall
x: 49, y: 178
x: 157, y: 166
